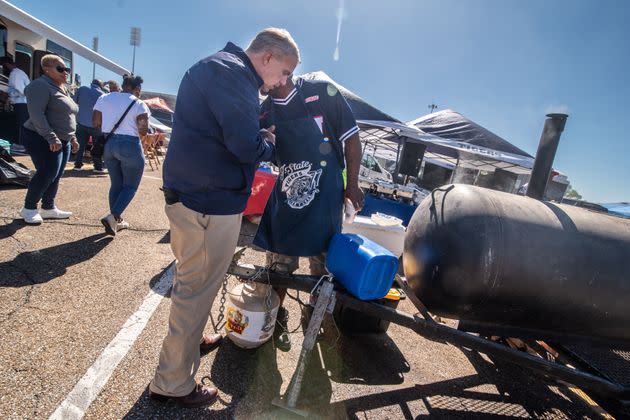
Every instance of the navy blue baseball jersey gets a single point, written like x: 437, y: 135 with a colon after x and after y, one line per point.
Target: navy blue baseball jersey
x: 324, y: 103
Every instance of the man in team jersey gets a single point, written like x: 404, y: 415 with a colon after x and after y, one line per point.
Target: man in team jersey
x: 316, y: 138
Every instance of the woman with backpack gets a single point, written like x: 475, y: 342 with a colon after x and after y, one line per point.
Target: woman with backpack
x: 123, y: 119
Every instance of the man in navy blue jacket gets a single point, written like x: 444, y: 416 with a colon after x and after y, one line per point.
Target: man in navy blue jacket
x: 208, y: 172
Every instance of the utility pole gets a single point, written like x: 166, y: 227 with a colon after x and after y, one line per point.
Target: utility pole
x: 432, y: 107
x: 95, y: 49
x: 134, y: 40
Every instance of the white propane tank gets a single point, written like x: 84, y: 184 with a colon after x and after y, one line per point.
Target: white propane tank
x: 249, y: 318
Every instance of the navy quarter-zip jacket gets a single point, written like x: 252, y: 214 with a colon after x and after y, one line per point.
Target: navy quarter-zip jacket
x: 216, y: 143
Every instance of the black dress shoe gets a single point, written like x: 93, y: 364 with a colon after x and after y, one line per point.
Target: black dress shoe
x: 199, y: 397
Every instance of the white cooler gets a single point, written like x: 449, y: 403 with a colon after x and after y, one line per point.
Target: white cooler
x: 390, y: 237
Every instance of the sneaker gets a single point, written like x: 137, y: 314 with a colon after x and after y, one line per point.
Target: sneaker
x: 31, y: 217
x: 281, y: 332
x: 109, y: 222
x: 77, y: 168
x: 55, y: 213
x: 122, y: 225
x: 283, y: 342
x: 99, y: 171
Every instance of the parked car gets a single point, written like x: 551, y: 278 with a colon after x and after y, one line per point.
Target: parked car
x: 371, y: 168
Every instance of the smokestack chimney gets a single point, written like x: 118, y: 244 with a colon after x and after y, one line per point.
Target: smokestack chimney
x: 549, y: 140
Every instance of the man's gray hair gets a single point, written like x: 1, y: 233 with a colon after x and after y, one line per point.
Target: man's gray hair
x: 278, y: 40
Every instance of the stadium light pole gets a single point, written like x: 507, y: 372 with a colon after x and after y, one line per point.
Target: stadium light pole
x: 95, y: 48
x: 134, y: 40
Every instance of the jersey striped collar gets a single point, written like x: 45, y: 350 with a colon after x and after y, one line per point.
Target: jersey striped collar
x: 286, y: 100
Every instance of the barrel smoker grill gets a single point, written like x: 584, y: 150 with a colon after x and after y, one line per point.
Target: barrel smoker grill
x: 476, y: 255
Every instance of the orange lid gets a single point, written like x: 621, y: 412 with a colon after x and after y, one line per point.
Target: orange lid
x: 393, y: 294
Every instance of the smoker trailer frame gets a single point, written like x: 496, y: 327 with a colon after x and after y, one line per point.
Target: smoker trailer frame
x: 615, y: 397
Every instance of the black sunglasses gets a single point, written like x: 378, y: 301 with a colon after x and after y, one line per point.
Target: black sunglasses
x: 62, y: 69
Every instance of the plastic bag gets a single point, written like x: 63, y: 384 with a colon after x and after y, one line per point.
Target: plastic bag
x: 12, y: 172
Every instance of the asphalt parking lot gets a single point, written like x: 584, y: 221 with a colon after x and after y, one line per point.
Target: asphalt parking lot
x: 67, y: 290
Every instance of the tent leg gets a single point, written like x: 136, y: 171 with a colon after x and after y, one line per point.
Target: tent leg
x: 397, y: 169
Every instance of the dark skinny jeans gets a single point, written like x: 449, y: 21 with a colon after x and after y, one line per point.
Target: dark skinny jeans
x: 83, y: 135
x: 49, y: 168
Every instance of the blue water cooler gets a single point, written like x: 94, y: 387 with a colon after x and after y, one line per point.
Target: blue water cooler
x: 362, y: 266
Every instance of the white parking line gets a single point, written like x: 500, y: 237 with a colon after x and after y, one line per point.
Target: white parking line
x: 152, y: 177
x: 90, y: 385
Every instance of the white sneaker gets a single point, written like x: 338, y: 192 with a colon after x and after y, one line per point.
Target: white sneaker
x: 55, y: 213
x: 31, y: 217
x: 99, y: 171
x: 122, y: 225
x: 109, y: 222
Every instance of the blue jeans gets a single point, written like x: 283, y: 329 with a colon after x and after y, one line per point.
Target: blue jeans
x: 49, y: 168
x: 124, y: 159
x: 83, y: 135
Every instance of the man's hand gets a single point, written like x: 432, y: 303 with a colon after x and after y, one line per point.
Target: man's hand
x: 55, y: 147
x: 74, y: 144
x: 355, y: 195
x: 268, y: 134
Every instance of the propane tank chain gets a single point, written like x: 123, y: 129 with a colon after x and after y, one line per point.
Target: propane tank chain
x: 268, y: 323
x: 222, y: 301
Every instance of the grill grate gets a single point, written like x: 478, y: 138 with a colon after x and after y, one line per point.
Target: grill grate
x: 611, y: 363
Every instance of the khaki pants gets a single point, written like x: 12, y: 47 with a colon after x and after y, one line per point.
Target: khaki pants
x: 288, y: 264
x: 203, y: 246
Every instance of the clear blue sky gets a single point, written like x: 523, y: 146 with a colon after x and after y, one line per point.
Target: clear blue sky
x: 502, y: 63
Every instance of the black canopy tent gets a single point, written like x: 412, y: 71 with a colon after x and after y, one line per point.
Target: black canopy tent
x: 379, y: 131
x: 452, y: 141
x: 446, y: 132
x: 464, y: 162
x: 361, y: 109
x: 452, y: 125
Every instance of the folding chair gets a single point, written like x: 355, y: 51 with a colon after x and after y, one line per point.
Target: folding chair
x: 149, y: 145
